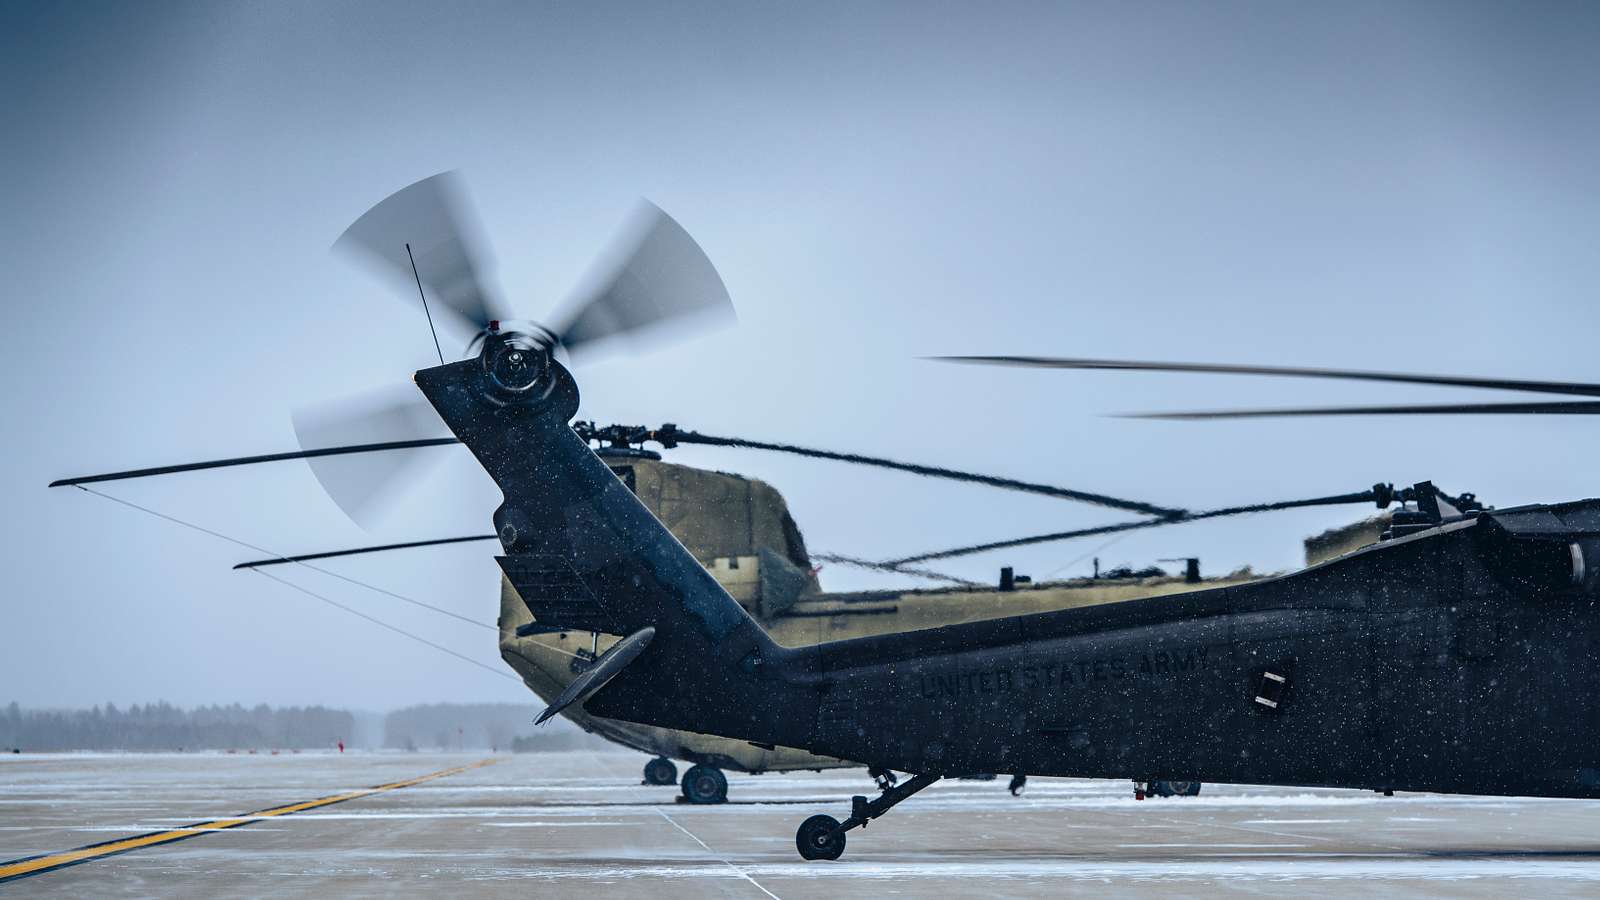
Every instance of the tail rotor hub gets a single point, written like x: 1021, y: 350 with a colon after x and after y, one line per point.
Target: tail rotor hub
x: 516, y: 361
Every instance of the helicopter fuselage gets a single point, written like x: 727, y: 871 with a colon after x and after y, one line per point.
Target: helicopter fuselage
x: 1342, y: 675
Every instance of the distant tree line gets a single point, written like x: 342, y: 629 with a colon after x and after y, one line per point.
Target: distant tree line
x: 457, y: 726
x: 162, y: 726
x: 480, y: 726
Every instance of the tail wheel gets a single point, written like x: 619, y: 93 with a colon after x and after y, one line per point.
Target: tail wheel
x: 819, y: 837
x: 705, y: 784
x: 660, y: 771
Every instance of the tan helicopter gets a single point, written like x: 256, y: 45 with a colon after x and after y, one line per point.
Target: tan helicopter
x: 740, y: 529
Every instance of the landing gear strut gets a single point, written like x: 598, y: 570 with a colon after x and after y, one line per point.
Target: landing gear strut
x: 822, y: 837
x: 660, y: 771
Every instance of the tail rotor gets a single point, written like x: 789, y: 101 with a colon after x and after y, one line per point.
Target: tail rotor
x: 651, y: 282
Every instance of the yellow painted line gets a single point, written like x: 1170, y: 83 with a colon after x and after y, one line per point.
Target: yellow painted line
x: 22, y: 868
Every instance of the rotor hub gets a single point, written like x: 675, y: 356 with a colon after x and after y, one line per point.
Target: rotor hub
x: 516, y: 361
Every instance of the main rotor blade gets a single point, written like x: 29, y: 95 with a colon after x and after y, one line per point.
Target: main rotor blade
x: 436, y: 542
x: 357, y: 551
x: 669, y: 436
x: 365, y: 488
x: 1563, y: 408
x: 436, y: 218
x: 692, y: 437
x: 401, y: 418
x: 1367, y: 496
x: 915, y: 571
x: 252, y: 460
x: 1581, y: 389
x: 653, y: 275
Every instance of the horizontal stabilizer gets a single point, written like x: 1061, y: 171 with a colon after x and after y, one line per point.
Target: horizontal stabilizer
x: 604, y: 669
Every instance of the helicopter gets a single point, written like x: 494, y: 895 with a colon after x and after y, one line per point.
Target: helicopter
x: 1426, y: 662
x: 425, y: 233
x: 741, y: 531
x: 1456, y: 656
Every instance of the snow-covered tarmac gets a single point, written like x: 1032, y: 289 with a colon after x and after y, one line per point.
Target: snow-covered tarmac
x: 581, y: 824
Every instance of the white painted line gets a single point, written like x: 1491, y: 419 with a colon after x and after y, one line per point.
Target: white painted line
x: 1295, y: 822
x: 1215, y: 846
x: 742, y: 873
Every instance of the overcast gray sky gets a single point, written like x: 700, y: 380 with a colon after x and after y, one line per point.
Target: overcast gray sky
x: 1382, y: 185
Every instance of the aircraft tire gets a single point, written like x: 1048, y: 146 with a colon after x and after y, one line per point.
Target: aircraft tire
x: 705, y: 784
x: 1175, y: 788
x: 813, y: 839
x: 660, y: 771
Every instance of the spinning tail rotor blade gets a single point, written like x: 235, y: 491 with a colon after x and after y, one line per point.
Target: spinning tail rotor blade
x: 365, y: 487
x: 1576, y: 388
x: 435, y: 218
x: 653, y: 276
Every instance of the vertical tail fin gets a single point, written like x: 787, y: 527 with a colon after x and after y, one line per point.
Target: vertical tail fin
x: 578, y: 543
x: 581, y: 549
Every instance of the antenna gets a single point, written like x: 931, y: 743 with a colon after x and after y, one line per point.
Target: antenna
x: 425, y: 309
x: 1191, y: 568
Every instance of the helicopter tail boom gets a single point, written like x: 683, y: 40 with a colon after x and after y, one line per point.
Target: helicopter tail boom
x: 583, y: 553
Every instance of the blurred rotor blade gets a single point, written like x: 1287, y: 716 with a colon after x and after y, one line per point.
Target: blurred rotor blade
x: 436, y: 218
x: 653, y: 275
x: 1560, y: 408
x: 366, y: 487
x: 1504, y: 384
